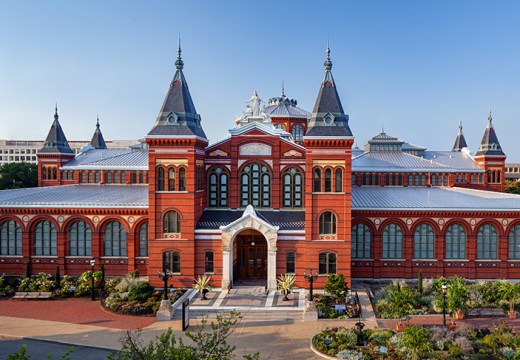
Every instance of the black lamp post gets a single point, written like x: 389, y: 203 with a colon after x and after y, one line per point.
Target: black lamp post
x: 164, y: 276
x: 444, y: 288
x: 310, y: 278
x: 92, y: 264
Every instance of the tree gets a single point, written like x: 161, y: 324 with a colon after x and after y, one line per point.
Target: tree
x: 512, y: 187
x: 457, y: 294
x: 207, y: 345
x: 337, y: 287
x: 18, y: 175
x: 416, y: 342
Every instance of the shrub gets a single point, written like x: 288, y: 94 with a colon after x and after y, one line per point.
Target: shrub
x: 346, y: 337
x: 111, y: 284
x: 507, y: 352
x: 84, y: 283
x: 399, y: 302
x: 126, y: 283
x: 337, y: 287
x: 41, y: 282
x: 5, y: 289
x: 141, y: 292
x: 464, y: 344
x: 350, y: 355
x: 416, y: 342
x: 66, y: 286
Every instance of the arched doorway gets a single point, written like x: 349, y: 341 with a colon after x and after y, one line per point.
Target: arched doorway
x: 250, y: 265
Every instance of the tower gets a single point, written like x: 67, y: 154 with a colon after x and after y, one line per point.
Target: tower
x: 328, y: 142
x: 177, y: 193
x: 54, y: 153
x: 491, y: 158
x: 97, y: 140
x: 460, y: 141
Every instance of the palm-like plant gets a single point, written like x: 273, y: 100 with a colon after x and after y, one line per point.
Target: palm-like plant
x: 401, y: 300
x: 285, y: 285
x: 457, y: 294
x: 202, y: 285
x: 511, y: 293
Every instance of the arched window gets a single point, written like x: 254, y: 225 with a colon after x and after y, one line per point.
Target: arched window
x: 116, y: 177
x: 143, y: 240
x: 54, y: 177
x: 392, y: 242
x: 328, y: 180
x: 339, y: 180
x: 109, y: 178
x: 327, y: 263
x: 218, y: 188
x: 80, y: 239
x: 171, y: 179
x: 208, y: 262
x: 133, y: 178
x: 97, y: 177
x: 514, y: 243
x: 361, y: 241
x: 182, y: 179
x: 44, y: 173
x: 160, y: 179
x: 45, y: 239
x: 317, y: 180
x: 455, y: 242
x: 172, y: 261
x: 423, y: 242
x: 400, y: 180
x: 292, y: 189
x: 255, y: 182
x: 141, y: 178
x: 487, y: 242
x: 123, y: 177
x: 327, y: 223
x: 290, y: 263
x: 83, y: 177
x: 115, y: 239
x: 297, y: 132
x: 171, y: 222
x: 90, y: 178
x: 10, y: 238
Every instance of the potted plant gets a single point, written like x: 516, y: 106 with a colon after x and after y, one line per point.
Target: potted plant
x: 285, y: 285
x: 401, y: 301
x: 457, y: 296
x: 511, y: 293
x: 202, y: 285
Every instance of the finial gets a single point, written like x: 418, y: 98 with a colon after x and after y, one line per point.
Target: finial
x: 179, y: 64
x: 382, y: 128
x: 328, y: 63
x: 97, y: 122
x: 283, y: 89
x: 56, y: 112
x: 490, y: 119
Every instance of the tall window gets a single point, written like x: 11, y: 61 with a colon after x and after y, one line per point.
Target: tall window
x: 455, y: 242
x: 327, y: 223
x: 133, y: 178
x: 123, y: 177
x: 115, y: 239
x: 172, y: 261
x: 361, y: 241
x: 339, y: 180
x: 328, y: 180
x: 160, y: 179
x: 255, y: 182
x: 297, y: 132
x: 392, y: 242
x: 487, y: 242
x: 141, y: 178
x: 116, y: 177
x: 44, y: 173
x: 89, y: 177
x: 171, y: 179
x: 80, y: 239
x: 290, y: 261
x: 45, y: 239
x: 327, y: 263
x: 182, y: 179
x: 423, y: 242
x: 109, y: 178
x: 218, y: 188
x: 83, y: 177
x: 208, y: 262
x: 10, y: 238
x: 317, y: 180
x: 172, y: 222
x: 292, y: 188
x: 97, y: 177
x: 514, y: 243
x: 143, y: 240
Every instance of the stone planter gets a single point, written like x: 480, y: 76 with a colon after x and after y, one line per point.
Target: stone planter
x: 512, y: 314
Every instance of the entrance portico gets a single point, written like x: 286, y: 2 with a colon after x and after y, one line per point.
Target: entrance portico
x: 249, y: 221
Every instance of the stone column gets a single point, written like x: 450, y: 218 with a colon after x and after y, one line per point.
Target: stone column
x: 271, y: 268
x: 226, y: 267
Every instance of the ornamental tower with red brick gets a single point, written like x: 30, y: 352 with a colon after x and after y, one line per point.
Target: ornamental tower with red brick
x: 177, y: 192
x: 328, y: 142
x: 54, y: 153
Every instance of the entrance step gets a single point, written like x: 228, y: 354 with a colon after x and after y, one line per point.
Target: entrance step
x: 257, y: 315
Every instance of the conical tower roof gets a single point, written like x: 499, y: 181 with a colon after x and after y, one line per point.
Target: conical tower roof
x: 178, y: 116
x: 97, y: 139
x: 460, y: 141
x: 328, y: 117
x: 490, y: 146
x: 56, y: 142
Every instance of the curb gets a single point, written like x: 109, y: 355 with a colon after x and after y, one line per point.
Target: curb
x: 35, y: 338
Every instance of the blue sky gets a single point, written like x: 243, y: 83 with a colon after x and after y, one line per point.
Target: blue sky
x: 418, y: 67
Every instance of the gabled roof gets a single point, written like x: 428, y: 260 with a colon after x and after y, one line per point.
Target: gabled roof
x: 56, y: 142
x: 178, y: 116
x: 109, y: 159
x: 328, y: 118
x: 490, y: 146
x: 460, y: 141
x: 97, y: 139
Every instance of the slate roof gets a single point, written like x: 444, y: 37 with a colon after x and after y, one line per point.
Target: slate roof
x: 284, y: 107
x: 285, y: 219
x: 97, y: 139
x: 434, y: 198
x: 56, y: 142
x: 460, y: 140
x: 490, y: 146
x: 109, y: 159
x: 77, y: 196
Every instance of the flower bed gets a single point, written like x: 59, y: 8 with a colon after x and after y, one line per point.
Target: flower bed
x: 328, y: 308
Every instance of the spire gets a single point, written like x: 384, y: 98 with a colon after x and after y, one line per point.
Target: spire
x: 490, y: 146
x: 283, y: 89
x: 56, y: 142
x: 328, y: 117
x: 97, y: 140
x: 178, y: 116
x: 460, y: 141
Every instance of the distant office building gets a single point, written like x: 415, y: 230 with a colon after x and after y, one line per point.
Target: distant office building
x: 513, y: 172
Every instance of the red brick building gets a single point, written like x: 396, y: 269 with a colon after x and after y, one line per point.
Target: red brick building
x: 285, y: 193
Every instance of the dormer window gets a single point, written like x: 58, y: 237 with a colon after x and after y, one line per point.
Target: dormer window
x: 329, y: 119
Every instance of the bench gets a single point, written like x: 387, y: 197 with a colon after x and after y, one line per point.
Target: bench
x: 28, y: 295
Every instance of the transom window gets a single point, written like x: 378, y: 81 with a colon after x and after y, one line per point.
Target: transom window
x: 80, y: 239
x: 487, y: 242
x: 455, y: 242
x: 10, y: 238
x: 392, y: 242
x: 218, y: 188
x: 327, y: 223
x: 115, y: 239
x: 361, y: 241
x: 327, y: 263
x: 45, y: 239
x: 514, y: 243
x: 423, y: 242
x: 172, y: 222
x: 293, y: 189
x: 172, y: 261
x: 255, y: 182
